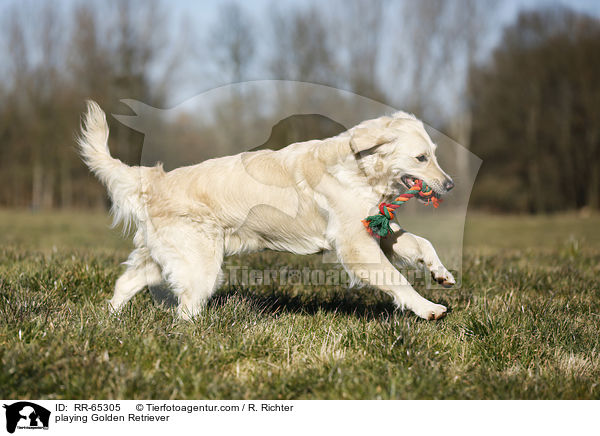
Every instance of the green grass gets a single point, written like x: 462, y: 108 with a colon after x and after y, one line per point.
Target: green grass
x: 524, y: 325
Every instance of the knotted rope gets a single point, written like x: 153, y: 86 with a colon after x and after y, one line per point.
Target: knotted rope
x: 379, y: 225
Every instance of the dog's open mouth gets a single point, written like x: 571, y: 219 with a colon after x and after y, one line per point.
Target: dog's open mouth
x: 409, y: 181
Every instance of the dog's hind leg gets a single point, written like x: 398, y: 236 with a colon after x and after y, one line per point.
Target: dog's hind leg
x: 191, y: 260
x: 406, y: 248
x: 141, y: 271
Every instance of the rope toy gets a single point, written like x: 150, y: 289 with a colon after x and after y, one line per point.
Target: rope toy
x: 379, y: 225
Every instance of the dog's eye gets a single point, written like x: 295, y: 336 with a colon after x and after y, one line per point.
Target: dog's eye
x: 421, y: 158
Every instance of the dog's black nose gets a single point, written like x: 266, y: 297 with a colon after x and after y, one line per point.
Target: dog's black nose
x: 448, y: 184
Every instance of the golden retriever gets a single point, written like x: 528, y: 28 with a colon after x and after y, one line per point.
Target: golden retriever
x: 305, y: 198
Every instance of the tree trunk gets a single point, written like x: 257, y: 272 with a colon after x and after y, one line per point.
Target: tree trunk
x: 533, y: 171
x: 461, y: 130
x: 48, y: 191
x: 593, y: 192
x: 66, y: 185
x: 567, y: 177
x: 37, y: 186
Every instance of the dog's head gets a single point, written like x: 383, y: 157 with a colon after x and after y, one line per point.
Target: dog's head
x: 398, y: 148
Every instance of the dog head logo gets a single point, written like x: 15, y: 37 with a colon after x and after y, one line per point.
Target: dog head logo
x: 26, y: 415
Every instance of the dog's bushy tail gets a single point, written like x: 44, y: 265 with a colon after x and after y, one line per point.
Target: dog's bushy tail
x: 124, y: 183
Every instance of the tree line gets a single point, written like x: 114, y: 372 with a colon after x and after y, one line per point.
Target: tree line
x: 536, y: 115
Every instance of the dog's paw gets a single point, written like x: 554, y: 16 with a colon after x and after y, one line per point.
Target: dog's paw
x: 188, y: 314
x: 446, y: 279
x: 432, y: 312
x: 114, y: 307
x: 185, y: 316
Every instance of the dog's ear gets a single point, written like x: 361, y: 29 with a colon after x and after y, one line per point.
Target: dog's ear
x: 363, y: 138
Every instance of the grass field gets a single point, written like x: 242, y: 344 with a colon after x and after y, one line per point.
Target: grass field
x: 524, y: 325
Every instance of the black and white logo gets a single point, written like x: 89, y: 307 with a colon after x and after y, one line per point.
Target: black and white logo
x: 26, y: 415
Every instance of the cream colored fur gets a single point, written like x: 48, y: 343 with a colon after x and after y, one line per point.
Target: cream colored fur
x: 304, y: 198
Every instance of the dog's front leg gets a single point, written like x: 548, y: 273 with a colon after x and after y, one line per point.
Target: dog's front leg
x: 406, y: 248
x: 363, y: 258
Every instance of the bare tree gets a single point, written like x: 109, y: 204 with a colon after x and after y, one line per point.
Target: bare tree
x: 438, y: 41
x: 111, y: 51
x: 302, y: 46
x: 33, y: 76
x: 232, y: 42
x: 359, y: 41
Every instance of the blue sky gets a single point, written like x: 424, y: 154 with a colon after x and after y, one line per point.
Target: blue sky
x: 204, y: 12
x: 202, y: 15
x: 195, y: 18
